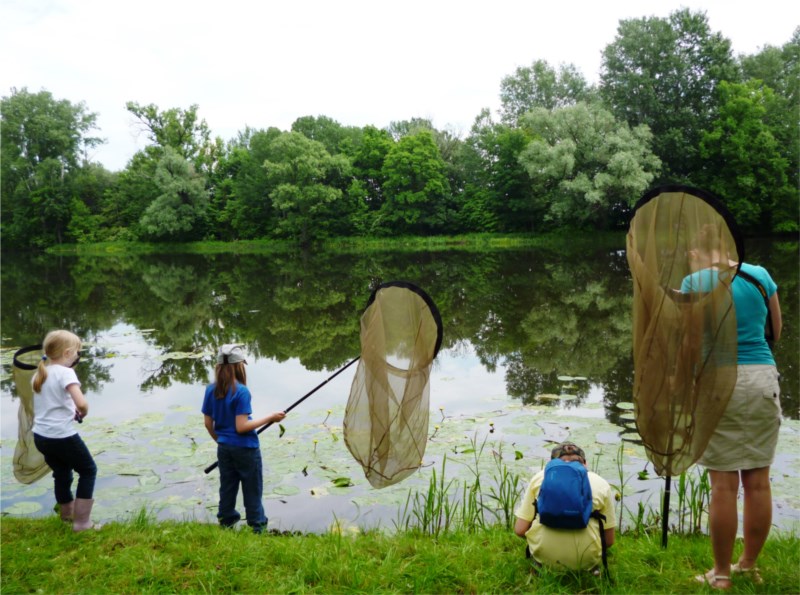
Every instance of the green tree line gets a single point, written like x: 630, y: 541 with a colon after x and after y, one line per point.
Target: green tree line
x: 672, y: 105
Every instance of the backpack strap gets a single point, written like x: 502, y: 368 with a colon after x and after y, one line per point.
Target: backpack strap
x: 601, y: 518
x: 769, y: 333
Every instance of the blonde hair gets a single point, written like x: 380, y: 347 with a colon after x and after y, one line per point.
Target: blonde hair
x: 55, y: 344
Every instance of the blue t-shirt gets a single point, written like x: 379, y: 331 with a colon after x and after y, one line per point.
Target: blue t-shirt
x: 224, y: 412
x: 751, y: 311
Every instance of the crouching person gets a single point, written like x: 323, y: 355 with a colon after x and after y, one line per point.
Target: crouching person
x: 567, y: 513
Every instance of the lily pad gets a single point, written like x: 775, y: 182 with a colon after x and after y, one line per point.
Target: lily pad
x: 625, y: 405
x: 23, y: 508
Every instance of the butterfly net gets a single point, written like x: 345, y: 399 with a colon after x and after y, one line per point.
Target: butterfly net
x: 683, y: 249
x: 386, y: 418
x: 29, y: 465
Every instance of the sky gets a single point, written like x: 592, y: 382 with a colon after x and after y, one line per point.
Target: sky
x: 359, y: 62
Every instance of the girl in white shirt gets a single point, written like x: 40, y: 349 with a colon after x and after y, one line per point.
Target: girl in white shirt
x: 58, y: 403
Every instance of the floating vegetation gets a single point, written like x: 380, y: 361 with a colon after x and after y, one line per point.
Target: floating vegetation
x: 23, y: 508
x: 625, y: 405
x: 146, y: 461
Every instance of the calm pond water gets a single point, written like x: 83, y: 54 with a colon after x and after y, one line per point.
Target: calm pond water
x: 536, y: 349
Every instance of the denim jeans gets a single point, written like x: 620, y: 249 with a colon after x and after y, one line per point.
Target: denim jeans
x: 64, y: 455
x: 240, y: 465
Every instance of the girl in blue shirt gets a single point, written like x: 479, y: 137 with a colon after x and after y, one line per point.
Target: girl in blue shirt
x: 227, y: 415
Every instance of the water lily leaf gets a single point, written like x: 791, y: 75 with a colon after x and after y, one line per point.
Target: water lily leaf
x: 180, y: 355
x: 149, y: 480
x: 342, y: 482
x: 625, y: 405
x: 285, y: 490
x: 517, y: 455
x: 34, y: 492
x: 548, y: 397
x: 23, y: 508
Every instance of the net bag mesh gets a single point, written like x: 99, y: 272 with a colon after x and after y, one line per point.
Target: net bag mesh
x: 386, y: 418
x: 28, y: 463
x: 683, y: 249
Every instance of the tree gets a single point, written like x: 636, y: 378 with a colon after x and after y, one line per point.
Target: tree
x: 745, y: 165
x: 240, y: 204
x: 177, y: 214
x: 498, y: 192
x: 306, y: 186
x: 416, y: 187
x: 540, y: 85
x: 43, y: 143
x: 180, y: 129
x: 664, y: 73
x: 779, y: 69
x: 588, y: 166
x: 334, y: 137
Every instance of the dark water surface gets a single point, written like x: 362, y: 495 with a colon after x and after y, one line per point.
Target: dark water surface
x: 536, y: 348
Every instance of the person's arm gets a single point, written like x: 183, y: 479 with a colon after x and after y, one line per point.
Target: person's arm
x: 775, y: 316
x: 609, y: 536
x: 244, y: 425
x: 209, y: 423
x: 81, y: 404
x: 521, y: 527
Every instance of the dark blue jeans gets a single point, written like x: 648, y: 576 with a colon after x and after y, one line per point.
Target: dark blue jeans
x: 64, y: 455
x: 238, y: 465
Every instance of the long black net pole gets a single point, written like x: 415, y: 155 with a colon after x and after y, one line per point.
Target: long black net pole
x: 214, y: 465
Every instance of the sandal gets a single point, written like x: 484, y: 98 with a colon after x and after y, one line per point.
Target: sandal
x: 751, y: 572
x: 712, y: 580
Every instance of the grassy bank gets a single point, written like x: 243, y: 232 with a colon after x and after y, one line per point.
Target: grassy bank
x: 144, y: 556
x: 349, y: 244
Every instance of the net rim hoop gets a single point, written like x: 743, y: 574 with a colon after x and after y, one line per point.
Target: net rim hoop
x: 437, y: 317
x: 712, y: 199
x: 22, y: 351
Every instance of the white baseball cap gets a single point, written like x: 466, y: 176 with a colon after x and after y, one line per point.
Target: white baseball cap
x: 231, y: 354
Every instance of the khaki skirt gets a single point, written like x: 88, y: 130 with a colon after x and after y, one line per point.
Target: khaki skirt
x: 747, y: 434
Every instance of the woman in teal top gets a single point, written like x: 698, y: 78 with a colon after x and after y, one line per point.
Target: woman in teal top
x: 743, y: 444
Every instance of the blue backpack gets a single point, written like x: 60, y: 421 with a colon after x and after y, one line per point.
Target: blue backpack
x: 565, y: 498
x: 565, y: 501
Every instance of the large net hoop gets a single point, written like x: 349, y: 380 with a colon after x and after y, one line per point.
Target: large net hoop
x: 683, y: 249
x: 386, y: 418
x: 29, y: 465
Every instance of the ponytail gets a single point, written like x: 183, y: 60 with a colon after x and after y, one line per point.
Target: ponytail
x: 227, y: 376
x: 40, y: 376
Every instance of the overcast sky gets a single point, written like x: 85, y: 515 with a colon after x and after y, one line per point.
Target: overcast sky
x: 266, y: 63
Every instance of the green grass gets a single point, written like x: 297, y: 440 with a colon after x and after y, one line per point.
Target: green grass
x: 350, y: 244
x: 145, y: 556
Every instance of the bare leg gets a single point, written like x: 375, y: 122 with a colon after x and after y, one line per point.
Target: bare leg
x: 723, y: 518
x: 757, y: 514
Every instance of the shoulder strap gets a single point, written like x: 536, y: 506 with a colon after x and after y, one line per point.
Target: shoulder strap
x: 770, y: 333
x: 596, y: 514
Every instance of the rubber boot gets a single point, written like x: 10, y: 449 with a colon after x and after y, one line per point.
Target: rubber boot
x: 82, y: 515
x: 67, y: 511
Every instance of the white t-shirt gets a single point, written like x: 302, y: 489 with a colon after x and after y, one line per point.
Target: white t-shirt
x: 53, y: 408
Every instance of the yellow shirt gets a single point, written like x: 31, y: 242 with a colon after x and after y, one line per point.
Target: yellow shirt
x: 574, y: 549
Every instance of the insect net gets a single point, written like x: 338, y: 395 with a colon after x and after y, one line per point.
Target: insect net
x: 29, y: 465
x: 683, y: 249
x: 386, y: 418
